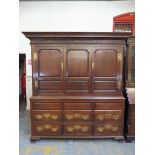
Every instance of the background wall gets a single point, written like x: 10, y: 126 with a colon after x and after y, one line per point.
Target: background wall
x: 86, y: 16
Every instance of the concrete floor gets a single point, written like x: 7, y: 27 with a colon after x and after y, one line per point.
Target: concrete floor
x: 67, y: 147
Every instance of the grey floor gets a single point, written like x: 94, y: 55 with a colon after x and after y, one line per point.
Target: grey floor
x: 67, y: 147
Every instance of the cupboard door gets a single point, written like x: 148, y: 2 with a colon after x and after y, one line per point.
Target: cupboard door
x: 48, y: 70
x: 77, y: 69
x: 107, y: 69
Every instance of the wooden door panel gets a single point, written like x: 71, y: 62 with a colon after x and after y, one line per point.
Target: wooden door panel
x: 105, y: 63
x: 77, y: 69
x: 50, y: 63
x: 48, y: 70
x: 106, y: 69
x: 77, y: 63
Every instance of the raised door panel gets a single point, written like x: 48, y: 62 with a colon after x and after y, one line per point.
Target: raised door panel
x: 49, y: 63
x: 105, y: 63
x: 107, y: 69
x: 48, y: 74
x: 77, y: 70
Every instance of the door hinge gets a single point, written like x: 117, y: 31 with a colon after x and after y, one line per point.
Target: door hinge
x: 119, y: 84
x: 119, y: 57
x: 36, y: 84
x: 92, y: 66
x: 35, y: 56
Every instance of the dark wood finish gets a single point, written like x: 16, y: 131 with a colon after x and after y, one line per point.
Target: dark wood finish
x: 130, y: 90
x: 76, y: 78
x: 79, y: 116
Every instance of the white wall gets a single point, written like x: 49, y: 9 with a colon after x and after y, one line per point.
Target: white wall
x: 86, y: 16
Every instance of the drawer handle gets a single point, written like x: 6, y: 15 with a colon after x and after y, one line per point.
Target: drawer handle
x: 70, y: 129
x: 108, y: 116
x: 100, y: 129
x: 77, y: 127
x: 54, y: 117
x: 39, y: 128
x: 77, y: 115
x: 100, y: 117
x: 46, y: 116
x: 85, y: 117
x: 54, y: 129
x: 108, y: 126
x: 116, y: 117
x: 69, y: 117
x: 39, y: 117
x: 47, y: 126
x: 85, y: 128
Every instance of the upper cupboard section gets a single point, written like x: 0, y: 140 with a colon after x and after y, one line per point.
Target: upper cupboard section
x: 77, y: 69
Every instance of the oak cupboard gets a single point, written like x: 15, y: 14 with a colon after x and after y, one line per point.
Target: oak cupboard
x: 77, y: 84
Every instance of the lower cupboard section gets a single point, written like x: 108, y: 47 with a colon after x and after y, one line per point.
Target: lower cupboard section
x: 76, y: 129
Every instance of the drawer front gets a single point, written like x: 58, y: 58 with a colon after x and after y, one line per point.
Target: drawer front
x: 108, y: 115
x: 77, y: 129
x: 77, y: 116
x: 46, y: 129
x: 46, y: 106
x: 52, y: 116
x: 108, y: 129
x: 108, y: 106
x: 77, y: 106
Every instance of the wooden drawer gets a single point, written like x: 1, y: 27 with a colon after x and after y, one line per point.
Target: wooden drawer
x: 52, y: 116
x: 77, y: 129
x: 45, y: 129
x: 46, y: 106
x: 77, y: 106
x: 108, y: 129
x: 108, y: 106
x: 108, y: 115
x: 77, y: 116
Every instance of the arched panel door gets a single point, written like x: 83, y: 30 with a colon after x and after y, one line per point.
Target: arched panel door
x: 49, y: 70
x: 77, y: 70
x: 106, y: 69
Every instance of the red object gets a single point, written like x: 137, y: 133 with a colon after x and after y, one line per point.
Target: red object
x: 23, y: 79
x: 124, y: 19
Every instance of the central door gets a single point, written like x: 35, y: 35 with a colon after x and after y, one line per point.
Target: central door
x: 77, y: 69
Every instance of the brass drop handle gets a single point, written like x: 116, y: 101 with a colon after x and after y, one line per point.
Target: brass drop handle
x: 100, y: 117
x: 70, y: 129
x: 54, y: 117
x: 85, y: 117
x: 39, y: 128
x: 108, y: 116
x: 100, y: 129
x: 47, y: 126
x: 54, y: 129
x: 38, y: 116
x: 85, y: 128
x: 69, y: 117
x: 46, y: 116
x: 77, y: 127
x: 116, y: 117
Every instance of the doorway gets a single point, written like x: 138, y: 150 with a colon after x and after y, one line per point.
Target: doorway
x: 22, y: 82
